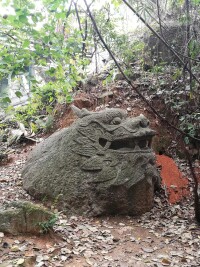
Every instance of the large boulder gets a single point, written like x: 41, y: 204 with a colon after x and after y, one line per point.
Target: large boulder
x: 102, y: 164
x: 174, y: 34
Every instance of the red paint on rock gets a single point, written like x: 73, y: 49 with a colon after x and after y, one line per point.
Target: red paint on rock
x: 172, y: 178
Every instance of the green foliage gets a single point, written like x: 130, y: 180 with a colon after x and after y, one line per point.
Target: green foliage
x: 121, y: 44
x: 158, y: 68
x: 195, y: 2
x: 138, y: 47
x: 48, y: 225
x: 30, y: 37
x: 39, y: 112
x: 30, y: 115
x: 108, y: 79
x: 177, y: 74
x: 145, y: 9
x: 194, y: 48
x: 128, y: 72
x: 41, y: 36
x: 56, y: 200
x: 116, y: 3
x: 189, y: 123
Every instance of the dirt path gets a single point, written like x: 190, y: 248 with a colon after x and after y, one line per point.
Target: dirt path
x: 166, y: 236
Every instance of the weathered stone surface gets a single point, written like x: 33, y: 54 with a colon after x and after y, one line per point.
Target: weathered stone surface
x: 102, y: 164
x: 174, y: 34
x: 119, y: 76
x: 24, y: 217
x: 93, y: 80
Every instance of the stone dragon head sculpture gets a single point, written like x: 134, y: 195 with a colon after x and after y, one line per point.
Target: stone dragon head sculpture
x: 104, y: 160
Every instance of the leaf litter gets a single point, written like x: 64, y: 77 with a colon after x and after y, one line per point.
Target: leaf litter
x: 165, y: 236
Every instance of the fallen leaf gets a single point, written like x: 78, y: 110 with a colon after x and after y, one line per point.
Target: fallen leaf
x: 148, y: 250
x: 166, y: 262
x: 15, y: 248
x: 20, y: 261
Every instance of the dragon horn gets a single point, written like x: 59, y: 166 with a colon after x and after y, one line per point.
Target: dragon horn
x: 80, y: 112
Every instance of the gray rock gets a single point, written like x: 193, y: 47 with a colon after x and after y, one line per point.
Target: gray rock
x: 106, y: 94
x: 93, y: 80
x: 119, y: 77
x: 135, y: 75
x: 25, y: 217
x: 102, y: 164
x: 3, y: 157
x: 155, y: 50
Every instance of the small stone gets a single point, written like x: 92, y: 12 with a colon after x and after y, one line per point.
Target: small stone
x: 5, y: 245
x: 116, y: 239
x: 1, y: 234
x: 63, y: 258
x: 65, y: 251
x: 148, y: 250
x: 45, y: 258
x: 39, y: 264
x: 30, y: 260
x: 39, y: 258
x: 132, y: 238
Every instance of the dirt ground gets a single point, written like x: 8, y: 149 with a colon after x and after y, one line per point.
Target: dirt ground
x: 165, y: 236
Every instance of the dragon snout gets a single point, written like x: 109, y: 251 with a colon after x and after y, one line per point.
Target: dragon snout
x: 137, y: 123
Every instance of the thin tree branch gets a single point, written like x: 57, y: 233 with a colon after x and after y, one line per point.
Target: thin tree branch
x: 69, y: 9
x: 129, y: 82
x: 86, y: 28
x: 195, y: 188
x: 188, y: 38
x: 84, y: 36
x: 78, y: 18
x: 159, y: 17
x: 9, y: 35
x: 187, y: 57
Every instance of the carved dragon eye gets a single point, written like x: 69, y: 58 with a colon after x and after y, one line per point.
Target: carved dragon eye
x: 144, y: 123
x: 116, y: 121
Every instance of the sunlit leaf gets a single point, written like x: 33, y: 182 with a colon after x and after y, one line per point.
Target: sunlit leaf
x: 18, y: 94
x: 60, y: 15
x: 195, y: 2
x: 6, y: 100
x: 26, y: 43
x: 23, y: 19
x: 68, y: 99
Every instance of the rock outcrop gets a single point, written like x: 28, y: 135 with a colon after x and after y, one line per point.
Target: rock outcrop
x: 102, y: 164
x: 23, y: 217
